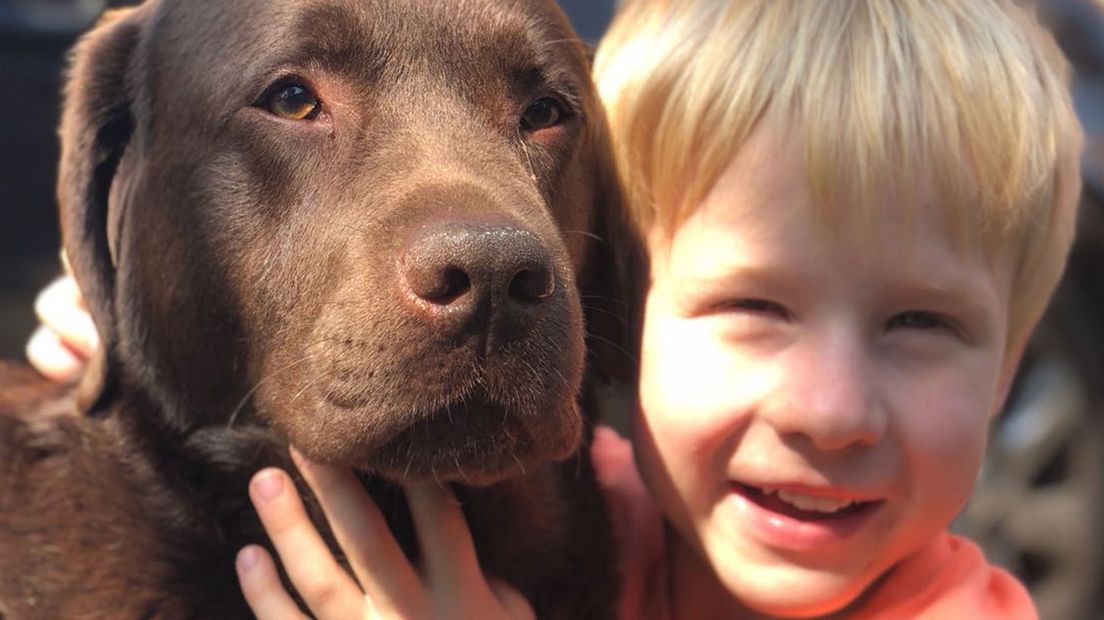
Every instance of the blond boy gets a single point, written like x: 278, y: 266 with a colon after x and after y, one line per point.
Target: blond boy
x: 856, y: 213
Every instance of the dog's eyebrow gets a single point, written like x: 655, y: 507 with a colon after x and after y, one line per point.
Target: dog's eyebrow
x: 533, y: 78
x: 336, y: 37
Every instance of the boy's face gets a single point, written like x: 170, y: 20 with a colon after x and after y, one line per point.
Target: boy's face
x: 813, y: 406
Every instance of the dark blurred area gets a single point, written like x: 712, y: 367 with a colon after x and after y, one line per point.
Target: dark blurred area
x: 1039, y: 505
x: 33, y: 40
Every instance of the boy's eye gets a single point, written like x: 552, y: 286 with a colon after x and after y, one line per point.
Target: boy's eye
x: 917, y: 319
x: 758, y: 306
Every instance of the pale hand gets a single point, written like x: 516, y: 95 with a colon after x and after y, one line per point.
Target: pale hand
x: 384, y: 584
x: 67, y: 338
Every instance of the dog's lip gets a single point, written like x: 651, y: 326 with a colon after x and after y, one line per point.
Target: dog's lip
x: 471, y: 412
x: 468, y: 432
x: 467, y: 414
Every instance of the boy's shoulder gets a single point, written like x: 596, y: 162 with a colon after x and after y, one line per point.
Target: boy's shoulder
x: 949, y: 578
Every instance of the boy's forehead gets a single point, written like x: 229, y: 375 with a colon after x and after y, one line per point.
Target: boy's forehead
x: 762, y: 216
x: 770, y: 172
x: 759, y: 227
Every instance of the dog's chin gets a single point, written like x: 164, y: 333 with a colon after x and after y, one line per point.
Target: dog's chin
x: 475, y: 441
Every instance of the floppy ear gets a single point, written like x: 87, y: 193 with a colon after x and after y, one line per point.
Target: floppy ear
x: 615, y: 279
x: 96, y: 125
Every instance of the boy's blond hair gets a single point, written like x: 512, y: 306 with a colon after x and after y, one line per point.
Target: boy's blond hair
x: 973, y: 93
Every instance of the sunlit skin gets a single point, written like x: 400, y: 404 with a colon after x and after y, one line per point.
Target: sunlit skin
x: 862, y: 364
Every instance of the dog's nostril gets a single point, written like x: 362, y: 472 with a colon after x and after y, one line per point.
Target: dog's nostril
x: 441, y: 286
x: 530, y: 286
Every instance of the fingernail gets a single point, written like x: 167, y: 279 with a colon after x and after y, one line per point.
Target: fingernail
x: 247, y: 558
x: 268, y: 484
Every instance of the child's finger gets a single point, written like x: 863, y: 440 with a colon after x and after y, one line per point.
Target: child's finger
x: 388, y: 579
x: 516, y: 605
x: 60, y: 307
x: 262, y: 588
x: 325, y: 587
x: 51, y: 357
x: 65, y: 265
x: 445, y: 540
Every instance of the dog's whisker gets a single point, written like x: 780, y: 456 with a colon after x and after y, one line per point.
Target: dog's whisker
x: 241, y: 404
x: 528, y: 158
x: 612, y: 300
x: 534, y: 374
x: 563, y: 379
x: 329, y: 373
x: 341, y: 303
x: 561, y: 41
x: 306, y: 386
x: 584, y: 233
x: 607, y: 312
x: 520, y: 465
x: 614, y: 345
x: 456, y: 463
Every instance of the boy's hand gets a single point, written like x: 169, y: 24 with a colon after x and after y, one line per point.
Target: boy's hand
x: 449, y: 584
x: 67, y: 338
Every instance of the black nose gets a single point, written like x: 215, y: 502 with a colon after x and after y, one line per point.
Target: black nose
x: 478, y: 274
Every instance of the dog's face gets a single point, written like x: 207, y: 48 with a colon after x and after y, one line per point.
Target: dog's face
x: 361, y: 219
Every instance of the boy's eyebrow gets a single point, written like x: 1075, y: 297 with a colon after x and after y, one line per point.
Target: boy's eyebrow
x: 726, y: 277
x: 961, y: 294
x: 936, y: 290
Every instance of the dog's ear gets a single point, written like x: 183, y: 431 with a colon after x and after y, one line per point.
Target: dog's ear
x: 96, y: 125
x: 613, y: 286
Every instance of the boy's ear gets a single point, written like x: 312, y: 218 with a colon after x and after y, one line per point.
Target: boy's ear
x: 96, y: 126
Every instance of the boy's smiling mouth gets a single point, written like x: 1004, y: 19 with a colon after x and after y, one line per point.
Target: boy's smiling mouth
x: 809, y: 503
x: 789, y: 518
x: 801, y: 506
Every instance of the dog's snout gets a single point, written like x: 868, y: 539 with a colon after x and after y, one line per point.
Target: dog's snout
x: 489, y: 274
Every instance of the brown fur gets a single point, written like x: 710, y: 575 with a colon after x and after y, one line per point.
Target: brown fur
x: 258, y: 281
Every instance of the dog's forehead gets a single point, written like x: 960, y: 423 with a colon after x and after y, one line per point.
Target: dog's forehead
x: 231, y: 38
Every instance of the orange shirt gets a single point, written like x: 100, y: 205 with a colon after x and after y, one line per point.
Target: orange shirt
x: 948, y: 579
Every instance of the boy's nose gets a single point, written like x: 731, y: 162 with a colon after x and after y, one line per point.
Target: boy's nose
x: 827, y: 394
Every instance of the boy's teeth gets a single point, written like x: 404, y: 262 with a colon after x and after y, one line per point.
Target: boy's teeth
x: 808, y: 502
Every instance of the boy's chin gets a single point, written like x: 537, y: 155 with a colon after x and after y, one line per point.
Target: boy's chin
x: 786, y: 591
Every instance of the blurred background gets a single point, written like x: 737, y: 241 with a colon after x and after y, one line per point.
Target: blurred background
x: 1039, y: 506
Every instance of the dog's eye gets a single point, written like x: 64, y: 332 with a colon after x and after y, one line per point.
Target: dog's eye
x: 543, y: 113
x: 293, y: 102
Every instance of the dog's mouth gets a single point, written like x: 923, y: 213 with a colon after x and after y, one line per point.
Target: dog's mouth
x: 472, y: 438
x: 428, y: 408
x: 475, y: 441
x: 453, y: 436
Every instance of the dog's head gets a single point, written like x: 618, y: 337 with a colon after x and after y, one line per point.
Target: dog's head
x: 366, y: 223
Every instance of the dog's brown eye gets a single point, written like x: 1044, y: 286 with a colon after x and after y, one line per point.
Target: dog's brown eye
x: 542, y: 113
x: 293, y: 102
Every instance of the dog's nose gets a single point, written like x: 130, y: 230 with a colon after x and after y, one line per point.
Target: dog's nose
x: 464, y: 273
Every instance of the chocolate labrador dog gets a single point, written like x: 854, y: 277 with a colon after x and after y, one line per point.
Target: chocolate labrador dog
x: 364, y: 227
